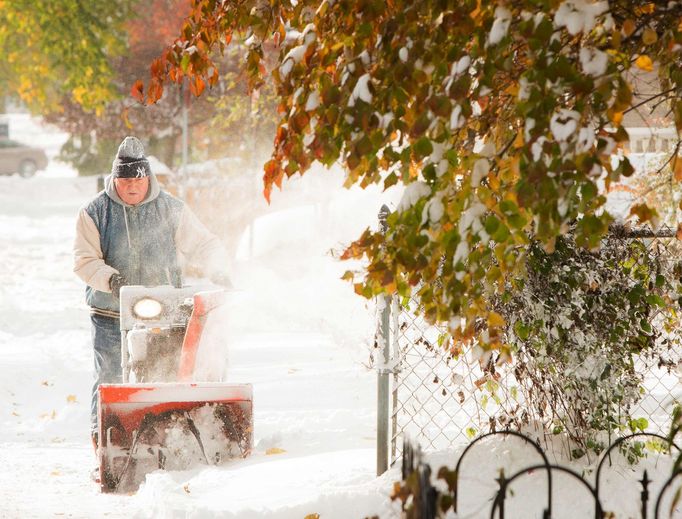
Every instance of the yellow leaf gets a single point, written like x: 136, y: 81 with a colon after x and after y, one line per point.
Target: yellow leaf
x: 518, y: 142
x: 629, y: 27
x: 649, y: 36
x: 54, y: 473
x: 312, y: 516
x: 615, y: 116
x: 71, y: 399
x: 495, y: 320
x: 274, y: 450
x: 644, y: 62
x: 615, y: 39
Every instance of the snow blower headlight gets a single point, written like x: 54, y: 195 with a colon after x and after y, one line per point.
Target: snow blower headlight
x: 147, y: 308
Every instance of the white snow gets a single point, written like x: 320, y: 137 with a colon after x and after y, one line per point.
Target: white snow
x: 500, y: 26
x: 564, y: 124
x: 593, y: 61
x: 456, y: 118
x: 460, y: 66
x: 433, y: 211
x: 296, y: 332
x: 479, y: 171
x: 300, y: 336
x: 295, y: 55
x: 361, y: 91
x: 586, y: 138
x: 413, y: 192
x: 313, y: 101
x: 579, y: 15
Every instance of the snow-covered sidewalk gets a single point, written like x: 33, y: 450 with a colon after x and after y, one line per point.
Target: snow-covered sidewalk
x: 314, y: 400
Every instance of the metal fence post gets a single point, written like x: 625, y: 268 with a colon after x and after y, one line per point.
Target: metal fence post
x: 383, y: 371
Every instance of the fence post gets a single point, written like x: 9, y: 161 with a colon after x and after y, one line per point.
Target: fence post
x: 384, y: 337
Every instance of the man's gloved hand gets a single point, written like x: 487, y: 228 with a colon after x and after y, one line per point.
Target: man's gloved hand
x: 116, y: 281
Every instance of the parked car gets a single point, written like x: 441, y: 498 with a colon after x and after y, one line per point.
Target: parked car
x: 20, y: 158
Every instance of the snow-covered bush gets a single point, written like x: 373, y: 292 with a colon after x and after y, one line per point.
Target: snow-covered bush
x: 579, y: 324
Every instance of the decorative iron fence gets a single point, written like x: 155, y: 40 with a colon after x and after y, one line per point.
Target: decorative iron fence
x: 442, y: 400
x: 653, y: 499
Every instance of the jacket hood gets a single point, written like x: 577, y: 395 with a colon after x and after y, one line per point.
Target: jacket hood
x: 154, y: 190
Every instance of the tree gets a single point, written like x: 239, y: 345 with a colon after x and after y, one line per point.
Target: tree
x: 52, y: 49
x: 503, y: 120
x: 95, y: 134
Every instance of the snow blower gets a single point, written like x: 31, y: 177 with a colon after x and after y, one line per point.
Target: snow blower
x: 172, y: 410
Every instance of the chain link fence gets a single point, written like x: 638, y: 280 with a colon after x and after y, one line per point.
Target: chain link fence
x: 441, y: 397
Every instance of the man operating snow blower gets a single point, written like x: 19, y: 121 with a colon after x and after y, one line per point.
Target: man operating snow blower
x: 131, y: 234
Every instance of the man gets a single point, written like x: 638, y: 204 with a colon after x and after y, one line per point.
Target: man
x: 131, y: 234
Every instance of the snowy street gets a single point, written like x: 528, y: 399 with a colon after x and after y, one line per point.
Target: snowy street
x: 299, y: 336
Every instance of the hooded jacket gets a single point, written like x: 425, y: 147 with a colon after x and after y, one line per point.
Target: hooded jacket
x: 140, y: 242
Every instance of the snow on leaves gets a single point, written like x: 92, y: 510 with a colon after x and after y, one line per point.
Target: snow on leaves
x: 407, y: 92
x: 579, y: 322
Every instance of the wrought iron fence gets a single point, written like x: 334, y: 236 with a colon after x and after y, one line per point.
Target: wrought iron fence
x: 654, y: 498
x: 443, y: 400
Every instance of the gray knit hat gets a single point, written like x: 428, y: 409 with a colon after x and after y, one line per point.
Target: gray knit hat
x: 130, y: 161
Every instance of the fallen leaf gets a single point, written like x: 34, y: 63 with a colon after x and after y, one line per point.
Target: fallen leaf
x: 186, y: 487
x: 71, y: 399
x: 55, y: 473
x: 274, y: 450
x: 14, y: 413
x: 312, y: 516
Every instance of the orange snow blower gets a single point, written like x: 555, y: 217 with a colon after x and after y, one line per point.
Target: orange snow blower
x: 172, y: 410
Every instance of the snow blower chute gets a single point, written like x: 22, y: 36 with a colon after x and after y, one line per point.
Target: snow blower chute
x: 172, y: 411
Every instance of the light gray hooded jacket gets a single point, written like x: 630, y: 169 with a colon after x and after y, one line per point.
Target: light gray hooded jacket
x: 141, y: 242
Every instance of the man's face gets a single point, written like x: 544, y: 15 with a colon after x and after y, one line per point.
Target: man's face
x: 132, y: 190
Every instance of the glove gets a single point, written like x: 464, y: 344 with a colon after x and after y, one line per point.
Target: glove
x: 116, y: 281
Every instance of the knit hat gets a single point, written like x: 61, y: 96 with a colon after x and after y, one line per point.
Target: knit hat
x: 130, y: 161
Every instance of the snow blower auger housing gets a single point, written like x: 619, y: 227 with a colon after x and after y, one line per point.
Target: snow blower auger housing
x: 172, y: 410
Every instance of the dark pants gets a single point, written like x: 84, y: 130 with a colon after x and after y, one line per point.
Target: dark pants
x: 106, y: 341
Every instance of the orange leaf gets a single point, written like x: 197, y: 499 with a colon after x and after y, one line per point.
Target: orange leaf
x: 629, y: 27
x: 155, y: 91
x: 644, y: 62
x: 197, y: 86
x: 137, y: 90
x: 677, y: 168
x: 678, y: 234
x: 643, y: 212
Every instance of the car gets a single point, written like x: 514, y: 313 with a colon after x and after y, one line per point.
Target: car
x: 20, y: 158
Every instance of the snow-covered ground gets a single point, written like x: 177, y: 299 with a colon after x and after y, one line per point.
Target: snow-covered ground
x: 297, y: 333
